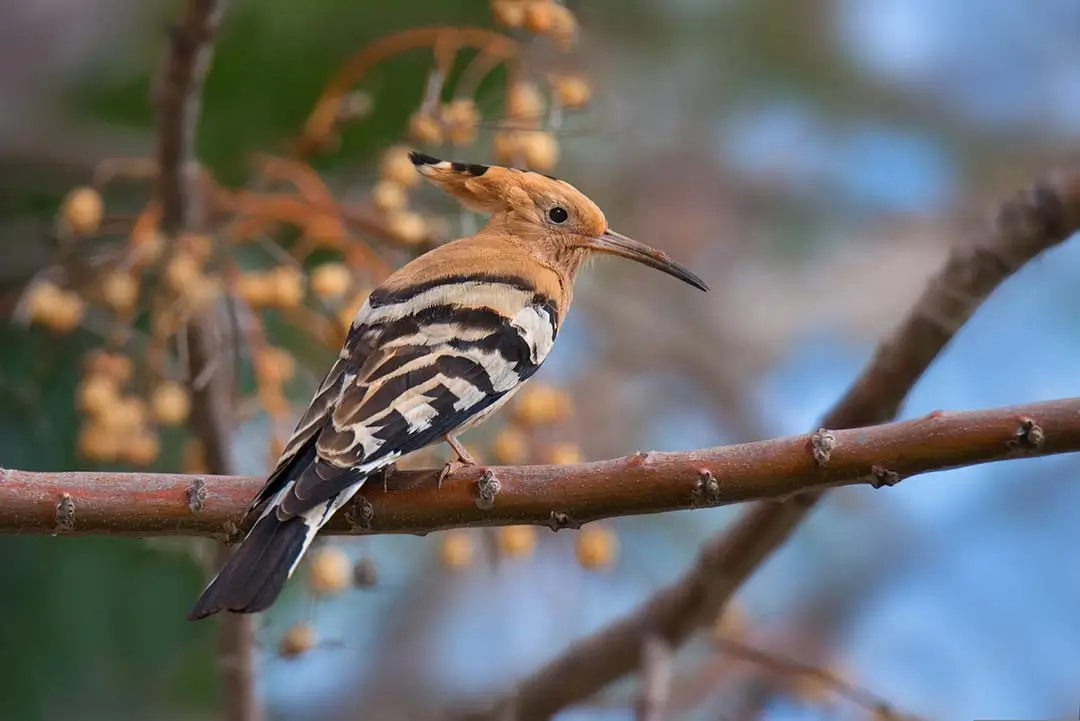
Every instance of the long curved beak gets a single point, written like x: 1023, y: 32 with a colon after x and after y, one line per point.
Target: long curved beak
x: 618, y: 244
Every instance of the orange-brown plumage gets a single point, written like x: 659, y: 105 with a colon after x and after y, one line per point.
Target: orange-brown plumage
x: 439, y: 346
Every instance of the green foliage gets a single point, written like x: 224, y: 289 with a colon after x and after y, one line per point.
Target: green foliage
x: 272, y: 62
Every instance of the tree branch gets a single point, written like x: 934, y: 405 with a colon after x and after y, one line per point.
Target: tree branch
x: 655, y: 688
x: 559, y: 496
x: 1036, y: 219
x: 179, y: 99
x: 179, y: 104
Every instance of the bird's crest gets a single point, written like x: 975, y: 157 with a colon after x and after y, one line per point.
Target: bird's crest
x: 528, y: 196
x: 482, y: 188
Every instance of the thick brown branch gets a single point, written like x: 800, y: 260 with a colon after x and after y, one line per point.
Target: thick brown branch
x: 557, y: 496
x: 1036, y: 219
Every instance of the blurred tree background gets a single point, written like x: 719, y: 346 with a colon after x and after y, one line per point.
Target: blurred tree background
x: 813, y: 161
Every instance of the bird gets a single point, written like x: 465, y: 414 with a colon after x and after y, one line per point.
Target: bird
x: 435, y: 349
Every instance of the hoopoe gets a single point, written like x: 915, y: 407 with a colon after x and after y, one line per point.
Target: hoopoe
x: 437, y: 348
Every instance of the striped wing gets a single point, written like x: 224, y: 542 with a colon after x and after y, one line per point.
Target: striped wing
x: 420, y: 362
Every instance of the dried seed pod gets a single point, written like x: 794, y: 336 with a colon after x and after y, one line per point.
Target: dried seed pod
x: 506, y: 147
x: 58, y: 310
x: 597, y: 547
x: 458, y: 548
x: 114, y: 365
x: 395, y: 166
x: 141, y: 448
x: 460, y: 117
x: 330, y: 281
x: 274, y: 365
x: 540, y: 149
x: 389, y: 195
x: 425, y: 129
x: 120, y: 290
x: 128, y: 413
x: 563, y: 27
x: 540, y: 404
x: 182, y: 271
x: 509, y: 13
x: 288, y: 284
x: 524, y: 104
x: 407, y: 227
x: 82, y: 210
x: 256, y: 289
x: 564, y: 454
x: 96, y: 393
x: 510, y: 447
x: 297, y: 640
x: 516, y: 541
x: 539, y: 16
x: 572, y: 91
x: 171, y: 403
x: 98, y: 443
x: 330, y: 572
x: 42, y: 299
x: 67, y: 316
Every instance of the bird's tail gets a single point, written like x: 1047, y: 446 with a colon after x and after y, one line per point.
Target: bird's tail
x: 256, y: 572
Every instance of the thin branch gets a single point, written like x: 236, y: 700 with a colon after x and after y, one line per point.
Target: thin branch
x: 861, y: 697
x: 1033, y: 221
x: 556, y: 496
x: 179, y: 104
x: 179, y: 101
x: 655, y: 687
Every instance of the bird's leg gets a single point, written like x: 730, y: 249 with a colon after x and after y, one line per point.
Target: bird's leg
x: 464, y: 458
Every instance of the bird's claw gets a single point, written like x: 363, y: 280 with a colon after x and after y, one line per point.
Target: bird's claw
x: 454, y: 466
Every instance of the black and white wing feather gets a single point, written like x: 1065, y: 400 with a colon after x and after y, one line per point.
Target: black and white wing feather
x: 419, y: 362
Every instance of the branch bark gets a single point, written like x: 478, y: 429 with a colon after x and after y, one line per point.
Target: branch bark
x: 1034, y: 220
x: 558, y: 496
x: 179, y: 102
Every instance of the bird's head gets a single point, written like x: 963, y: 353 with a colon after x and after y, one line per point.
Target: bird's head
x: 552, y: 218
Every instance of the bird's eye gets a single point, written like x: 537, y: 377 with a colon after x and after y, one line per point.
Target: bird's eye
x: 558, y: 215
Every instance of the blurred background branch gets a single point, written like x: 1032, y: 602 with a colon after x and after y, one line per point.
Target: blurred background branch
x: 183, y: 210
x: 1032, y: 221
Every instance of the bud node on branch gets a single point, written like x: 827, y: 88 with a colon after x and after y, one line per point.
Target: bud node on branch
x: 487, y: 487
x: 1029, y: 436
x: 822, y: 443
x: 196, y: 495
x: 65, y: 514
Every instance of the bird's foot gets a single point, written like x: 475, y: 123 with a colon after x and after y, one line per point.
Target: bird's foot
x: 464, y: 459
x: 454, y: 466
